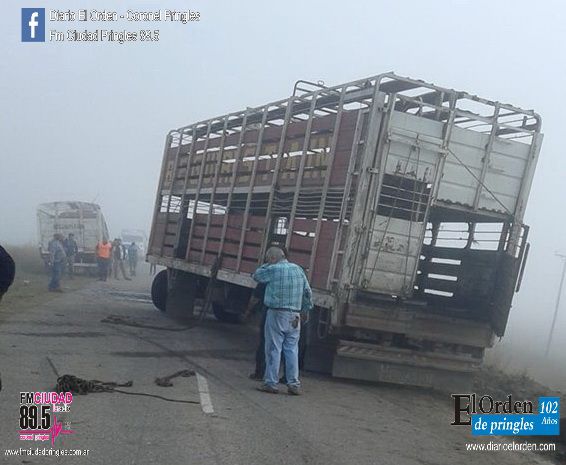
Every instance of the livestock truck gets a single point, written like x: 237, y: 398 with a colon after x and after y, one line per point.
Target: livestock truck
x: 85, y: 220
x: 403, y: 201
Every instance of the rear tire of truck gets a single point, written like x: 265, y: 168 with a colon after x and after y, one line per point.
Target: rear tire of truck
x: 159, y: 290
x: 223, y: 315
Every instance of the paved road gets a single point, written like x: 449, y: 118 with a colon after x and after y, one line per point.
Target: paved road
x: 334, y: 422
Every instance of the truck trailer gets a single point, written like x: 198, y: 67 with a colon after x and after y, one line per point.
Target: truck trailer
x: 85, y: 220
x: 403, y: 202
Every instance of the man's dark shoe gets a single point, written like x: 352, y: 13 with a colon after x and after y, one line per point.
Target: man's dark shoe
x: 255, y: 376
x: 269, y: 389
x: 294, y: 390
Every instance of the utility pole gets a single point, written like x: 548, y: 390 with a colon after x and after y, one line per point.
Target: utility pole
x: 549, y: 342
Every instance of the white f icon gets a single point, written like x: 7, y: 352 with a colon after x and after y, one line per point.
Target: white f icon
x: 33, y: 23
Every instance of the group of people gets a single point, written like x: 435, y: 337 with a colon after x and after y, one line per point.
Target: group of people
x: 283, y: 294
x: 111, y: 258
x: 285, y: 298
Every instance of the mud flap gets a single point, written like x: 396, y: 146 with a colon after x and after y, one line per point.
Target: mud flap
x: 181, y: 292
x: 503, y: 293
x: 319, y: 352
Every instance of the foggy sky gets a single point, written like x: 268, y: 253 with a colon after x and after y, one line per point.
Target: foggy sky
x: 88, y: 121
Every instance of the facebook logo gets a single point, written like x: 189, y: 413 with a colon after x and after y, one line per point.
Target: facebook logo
x: 33, y: 24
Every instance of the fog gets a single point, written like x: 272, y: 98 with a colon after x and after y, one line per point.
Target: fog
x: 88, y: 121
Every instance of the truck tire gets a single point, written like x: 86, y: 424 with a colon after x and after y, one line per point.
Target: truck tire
x: 181, y: 292
x: 159, y: 290
x: 223, y: 315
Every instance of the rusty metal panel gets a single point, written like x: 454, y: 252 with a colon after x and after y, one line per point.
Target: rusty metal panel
x: 393, y: 256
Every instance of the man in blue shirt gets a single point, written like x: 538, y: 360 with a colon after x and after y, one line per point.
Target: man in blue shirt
x: 57, y: 260
x: 288, y: 298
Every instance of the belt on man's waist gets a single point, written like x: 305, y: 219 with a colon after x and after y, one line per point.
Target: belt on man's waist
x: 284, y: 310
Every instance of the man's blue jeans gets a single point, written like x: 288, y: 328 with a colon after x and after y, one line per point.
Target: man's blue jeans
x: 280, y: 335
x: 56, y: 271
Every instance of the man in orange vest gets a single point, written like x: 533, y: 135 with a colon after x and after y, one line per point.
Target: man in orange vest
x: 103, y: 253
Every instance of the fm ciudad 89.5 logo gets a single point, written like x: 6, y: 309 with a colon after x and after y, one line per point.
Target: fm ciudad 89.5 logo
x: 38, y: 421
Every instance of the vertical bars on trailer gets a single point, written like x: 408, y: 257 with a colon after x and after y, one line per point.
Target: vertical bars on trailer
x: 214, y: 187
x: 238, y: 157
x: 173, y: 177
x: 326, y: 185
x: 486, y: 157
x: 157, y: 206
x: 197, y: 192
x: 280, y: 152
x: 251, y: 187
x: 356, y: 227
x: 299, y: 181
x: 183, y: 213
x: 344, y: 205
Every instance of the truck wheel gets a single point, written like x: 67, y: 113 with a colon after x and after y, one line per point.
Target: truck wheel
x: 223, y: 315
x: 159, y: 290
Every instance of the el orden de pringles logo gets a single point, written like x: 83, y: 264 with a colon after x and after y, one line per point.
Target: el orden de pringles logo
x: 490, y: 417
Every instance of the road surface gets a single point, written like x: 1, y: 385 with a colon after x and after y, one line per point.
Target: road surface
x: 230, y: 422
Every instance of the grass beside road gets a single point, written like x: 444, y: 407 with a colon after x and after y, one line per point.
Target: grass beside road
x: 30, y: 285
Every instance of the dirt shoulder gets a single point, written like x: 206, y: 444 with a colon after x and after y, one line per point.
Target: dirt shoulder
x: 29, y: 289
x: 30, y: 284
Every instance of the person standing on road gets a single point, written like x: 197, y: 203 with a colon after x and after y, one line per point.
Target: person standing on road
x: 103, y: 253
x: 118, y: 257
x: 133, y: 258
x: 57, y: 262
x: 71, y: 249
x: 7, y: 271
x: 256, y: 304
x: 288, y: 298
x: 7, y: 275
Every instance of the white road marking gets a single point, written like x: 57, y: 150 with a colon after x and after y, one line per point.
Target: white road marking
x: 205, y: 401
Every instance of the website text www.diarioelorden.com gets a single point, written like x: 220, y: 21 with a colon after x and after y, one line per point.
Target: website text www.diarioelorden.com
x: 494, y: 446
x: 44, y: 451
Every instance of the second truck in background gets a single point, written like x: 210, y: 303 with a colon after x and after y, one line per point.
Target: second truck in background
x: 85, y: 220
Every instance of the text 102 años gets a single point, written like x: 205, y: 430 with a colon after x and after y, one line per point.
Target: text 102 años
x: 550, y: 407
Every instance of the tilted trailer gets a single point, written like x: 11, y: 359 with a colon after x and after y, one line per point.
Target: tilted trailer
x: 402, y: 200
